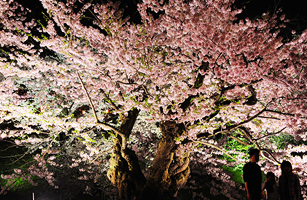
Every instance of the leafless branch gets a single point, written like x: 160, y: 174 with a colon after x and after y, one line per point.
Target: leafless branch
x: 278, y: 112
x: 24, y: 154
x: 62, y: 27
x: 146, y: 91
x: 117, y: 132
x: 240, y: 141
x: 248, y: 120
x: 229, y: 128
x: 268, y: 117
x: 102, y: 153
x: 231, y: 136
x: 216, y: 147
x: 13, y: 145
x: 126, y: 83
x: 109, y: 100
x: 271, y: 134
x: 89, y: 130
x: 88, y: 97
x: 273, y: 159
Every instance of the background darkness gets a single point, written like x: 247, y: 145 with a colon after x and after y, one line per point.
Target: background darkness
x: 295, y: 11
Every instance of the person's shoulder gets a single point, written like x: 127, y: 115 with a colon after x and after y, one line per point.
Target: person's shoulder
x: 275, y: 185
x: 281, y: 177
x: 250, y: 164
x: 295, y: 175
x: 247, y: 165
x: 258, y: 166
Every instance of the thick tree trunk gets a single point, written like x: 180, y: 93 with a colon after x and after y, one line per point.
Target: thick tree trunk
x: 170, y: 170
x: 125, y: 172
x: 167, y: 175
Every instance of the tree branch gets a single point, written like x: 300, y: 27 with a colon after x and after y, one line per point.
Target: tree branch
x: 246, y: 121
x: 105, y: 126
x: 240, y: 141
x: 104, y: 152
x: 61, y: 25
x: 126, y: 83
x: 279, y: 112
x: 229, y: 128
x: 109, y: 100
x: 216, y: 147
x: 88, y: 97
x: 273, y: 160
x: 271, y: 134
x: 269, y: 117
x: 109, y: 127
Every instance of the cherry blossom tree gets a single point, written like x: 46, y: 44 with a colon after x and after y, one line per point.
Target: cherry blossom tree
x: 147, y: 102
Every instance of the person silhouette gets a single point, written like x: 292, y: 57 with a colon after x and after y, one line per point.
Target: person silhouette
x: 252, y: 176
x: 289, y: 183
x: 270, y: 188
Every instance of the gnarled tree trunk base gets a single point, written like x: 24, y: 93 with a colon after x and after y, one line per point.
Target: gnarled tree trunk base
x: 169, y: 172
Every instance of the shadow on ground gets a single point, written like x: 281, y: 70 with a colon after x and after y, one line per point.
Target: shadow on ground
x: 48, y: 193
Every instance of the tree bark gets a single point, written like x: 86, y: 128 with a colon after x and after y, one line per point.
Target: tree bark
x: 169, y: 172
x: 125, y: 172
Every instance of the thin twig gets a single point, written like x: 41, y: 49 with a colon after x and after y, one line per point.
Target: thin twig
x: 269, y: 117
x: 55, y: 136
x: 104, y: 152
x: 89, y: 130
x: 12, y: 156
x: 273, y: 160
x: 271, y: 134
x: 19, y: 158
x: 10, y: 146
x: 32, y: 147
x: 88, y: 97
x: 126, y: 83
x: 117, y: 132
x: 109, y: 100
x: 27, y: 163
x: 216, y: 147
x: 233, y: 137
x: 281, y: 113
x: 240, y: 141
x: 62, y: 26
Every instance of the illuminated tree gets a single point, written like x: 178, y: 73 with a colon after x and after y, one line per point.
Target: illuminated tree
x: 95, y: 87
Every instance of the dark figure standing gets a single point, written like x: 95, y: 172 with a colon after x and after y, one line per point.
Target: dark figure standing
x: 289, y: 184
x: 270, y: 188
x: 252, y: 176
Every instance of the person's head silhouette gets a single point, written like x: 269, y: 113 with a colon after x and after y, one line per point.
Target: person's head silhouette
x: 286, y: 167
x: 254, y: 155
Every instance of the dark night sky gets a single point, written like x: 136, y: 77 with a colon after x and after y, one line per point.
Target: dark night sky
x: 295, y: 10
